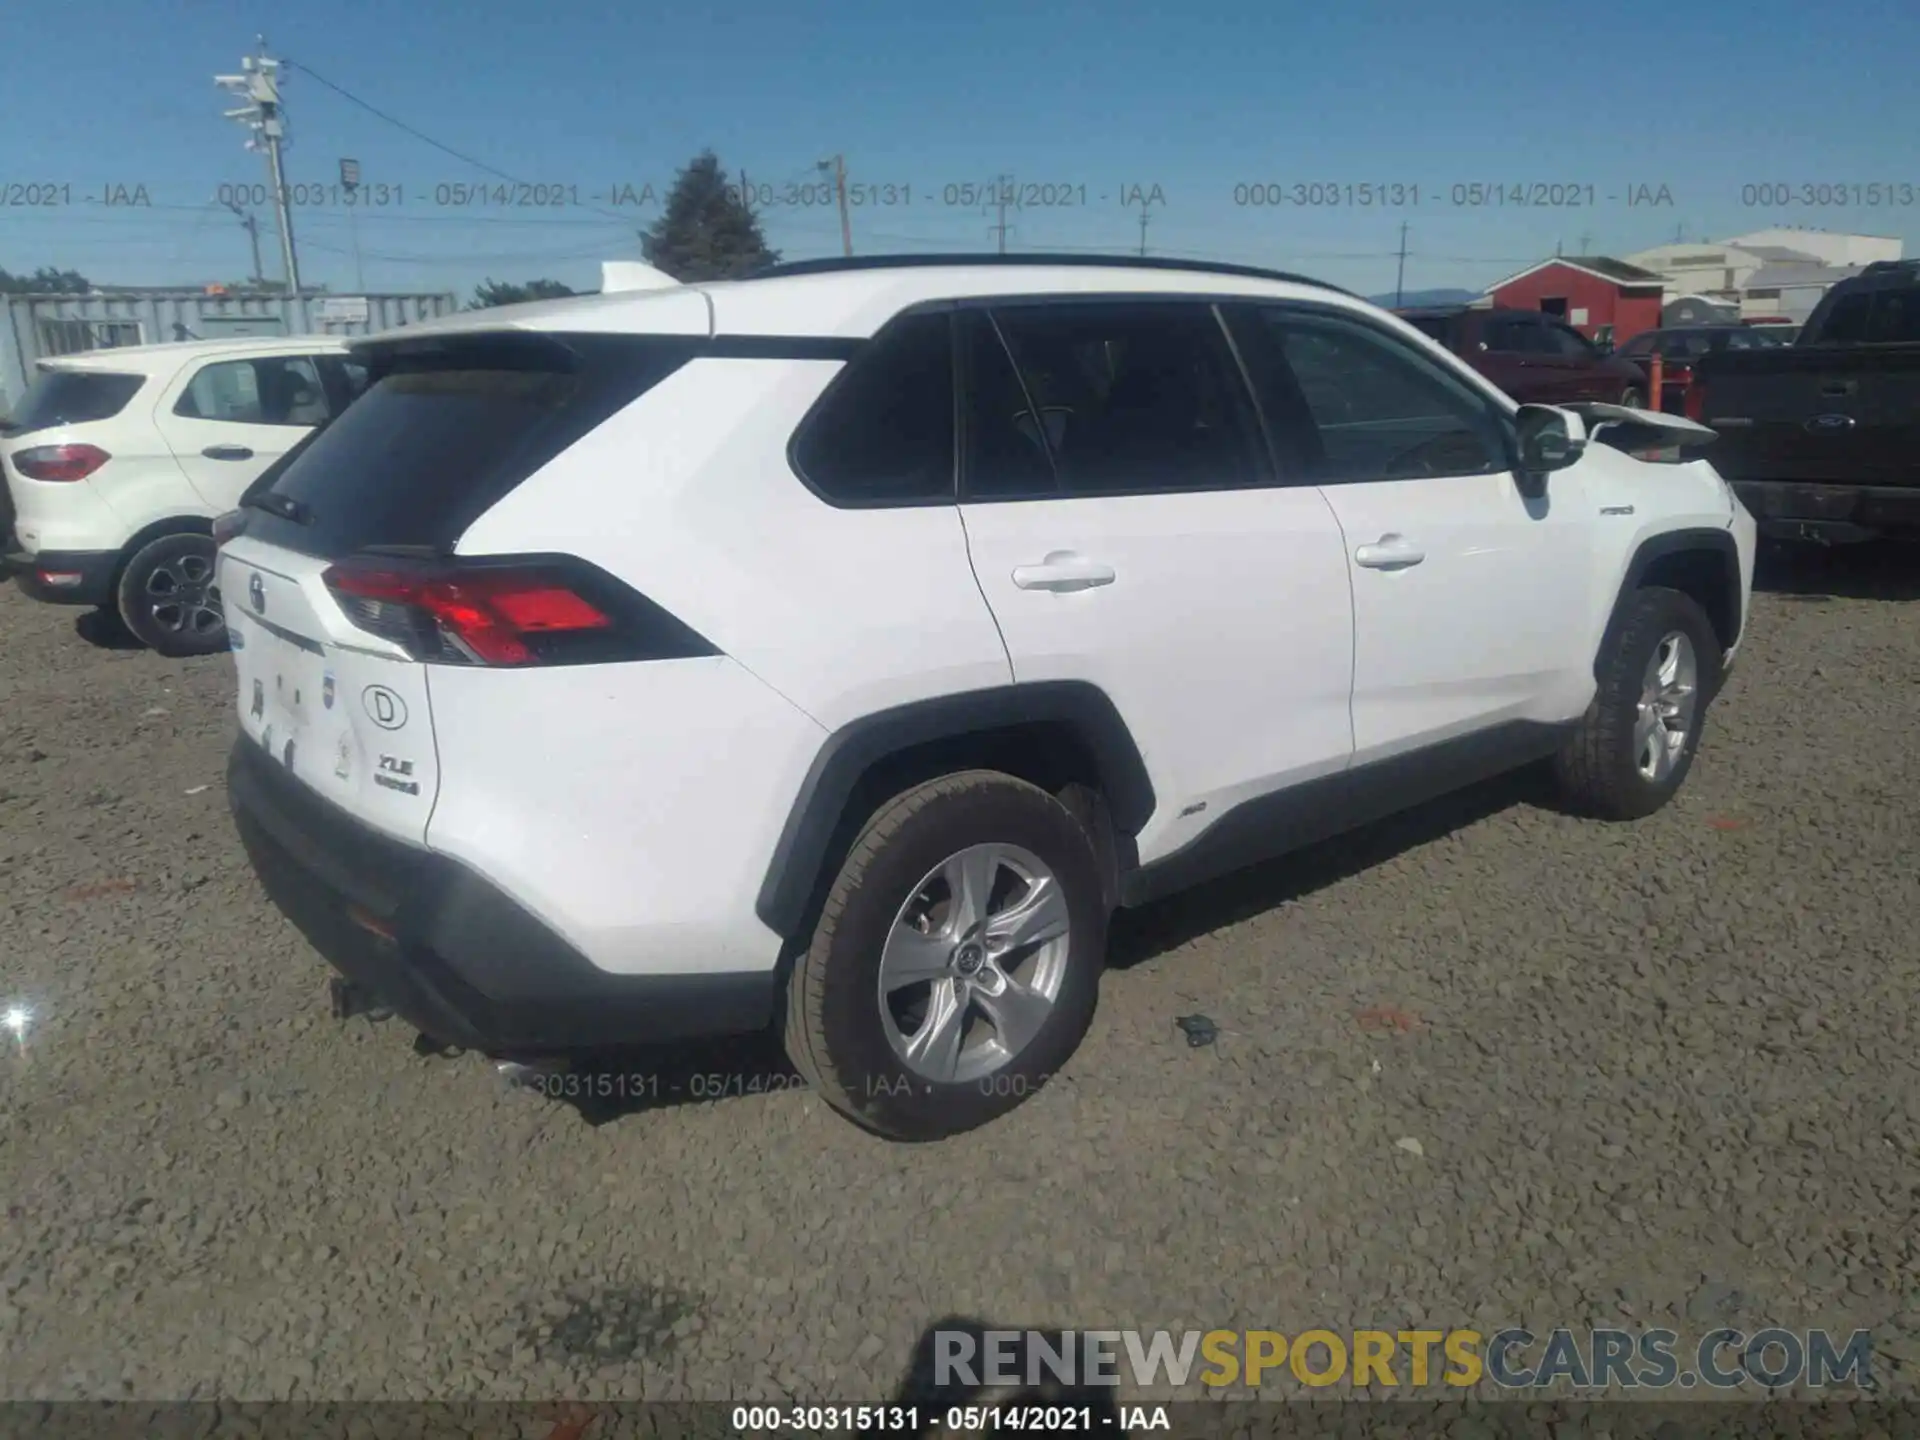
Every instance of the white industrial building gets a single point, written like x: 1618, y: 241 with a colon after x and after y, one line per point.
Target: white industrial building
x: 1766, y: 273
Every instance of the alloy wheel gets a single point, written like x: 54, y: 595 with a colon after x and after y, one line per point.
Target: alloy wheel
x: 1669, y: 700
x: 973, y: 963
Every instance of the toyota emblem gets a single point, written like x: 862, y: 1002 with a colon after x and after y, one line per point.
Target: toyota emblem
x: 257, y: 592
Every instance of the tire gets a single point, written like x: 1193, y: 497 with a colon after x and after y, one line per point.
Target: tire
x: 167, y: 599
x: 1613, y: 768
x: 1632, y: 399
x: 853, y: 1047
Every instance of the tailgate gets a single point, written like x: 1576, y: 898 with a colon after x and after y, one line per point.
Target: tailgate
x: 344, y: 711
x: 1803, y: 415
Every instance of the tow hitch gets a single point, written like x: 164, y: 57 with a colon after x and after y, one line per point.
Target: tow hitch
x: 346, y: 1000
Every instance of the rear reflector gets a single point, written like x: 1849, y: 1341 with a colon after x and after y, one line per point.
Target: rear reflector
x: 540, y: 611
x: 1695, y: 404
x: 59, y: 579
x: 60, y: 462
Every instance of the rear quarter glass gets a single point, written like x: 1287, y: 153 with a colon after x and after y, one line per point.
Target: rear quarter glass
x: 441, y: 436
x: 72, y: 397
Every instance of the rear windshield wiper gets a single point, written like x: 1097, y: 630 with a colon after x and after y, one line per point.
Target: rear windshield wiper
x: 285, y: 506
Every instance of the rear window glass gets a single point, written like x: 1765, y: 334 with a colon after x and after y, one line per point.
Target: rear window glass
x: 72, y: 397
x: 432, y: 444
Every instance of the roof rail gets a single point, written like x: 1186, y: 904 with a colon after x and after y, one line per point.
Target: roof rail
x: 1882, y: 267
x: 836, y: 264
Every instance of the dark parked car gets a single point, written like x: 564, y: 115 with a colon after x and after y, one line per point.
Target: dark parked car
x: 1681, y: 346
x: 1821, y: 438
x: 1536, y: 358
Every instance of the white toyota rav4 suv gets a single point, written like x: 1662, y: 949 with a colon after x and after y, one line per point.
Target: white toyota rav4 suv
x: 840, y: 647
x: 117, y: 462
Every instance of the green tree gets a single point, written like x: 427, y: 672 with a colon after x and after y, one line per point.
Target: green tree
x: 707, y: 231
x: 45, y: 281
x: 499, y: 292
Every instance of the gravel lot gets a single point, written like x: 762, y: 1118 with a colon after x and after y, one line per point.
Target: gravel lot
x: 1657, y: 1074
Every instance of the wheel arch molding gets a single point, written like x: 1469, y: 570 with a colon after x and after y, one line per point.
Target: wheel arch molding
x: 1665, y: 555
x: 1063, y: 731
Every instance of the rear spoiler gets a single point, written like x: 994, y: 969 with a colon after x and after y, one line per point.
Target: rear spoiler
x: 1626, y: 428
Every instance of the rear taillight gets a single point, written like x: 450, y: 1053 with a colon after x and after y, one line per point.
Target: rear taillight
x: 59, y: 462
x: 545, y: 611
x: 1696, y: 401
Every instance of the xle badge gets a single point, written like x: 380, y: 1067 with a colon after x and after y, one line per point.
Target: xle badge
x: 257, y: 592
x: 326, y: 691
x: 259, y: 700
x: 343, y: 759
x: 391, y: 773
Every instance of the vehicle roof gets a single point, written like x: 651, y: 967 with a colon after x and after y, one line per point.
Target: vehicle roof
x: 852, y: 301
x: 1497, y: 312
x: 156, y: 357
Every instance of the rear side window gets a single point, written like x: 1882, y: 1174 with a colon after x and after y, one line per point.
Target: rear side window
x: 439, y: 437
x: 1896, y: 317
x: 883, y: 434
x: 272, y: 390
x: 1132, y: 398
x: 72, y: 397
x: 1846, y: 323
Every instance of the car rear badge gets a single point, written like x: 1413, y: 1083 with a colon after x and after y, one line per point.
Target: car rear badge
x: 343, y: 759
x: 257, y: 592
x: 326, y: 691
x: 1830, y: 424
x: 384, y: 707
x: 259, y: 707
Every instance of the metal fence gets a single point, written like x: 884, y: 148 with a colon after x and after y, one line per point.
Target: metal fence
x: 37, y: 326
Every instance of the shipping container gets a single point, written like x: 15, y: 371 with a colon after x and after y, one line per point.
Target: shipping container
x: 38, y: 326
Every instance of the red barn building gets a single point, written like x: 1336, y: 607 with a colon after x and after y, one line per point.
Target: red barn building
x: 1603, y: 299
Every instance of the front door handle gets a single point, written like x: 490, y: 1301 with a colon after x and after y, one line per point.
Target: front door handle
x: 1389, y: 552
x: 1062, y: 570
x: 227, y: 452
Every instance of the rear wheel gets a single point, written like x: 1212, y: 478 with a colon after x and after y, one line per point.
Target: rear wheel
x: 957, y: 960
x: 1632, y: 399
x: 167, y: 597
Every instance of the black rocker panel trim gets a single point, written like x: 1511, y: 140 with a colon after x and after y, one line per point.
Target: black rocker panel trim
x: 1275, y: 824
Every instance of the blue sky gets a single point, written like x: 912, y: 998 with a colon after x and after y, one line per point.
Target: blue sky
x: 1092, y: 100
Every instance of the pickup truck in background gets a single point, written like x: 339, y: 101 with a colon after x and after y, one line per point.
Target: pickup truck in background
x: 1821, y: 439
x: 1536, y: 358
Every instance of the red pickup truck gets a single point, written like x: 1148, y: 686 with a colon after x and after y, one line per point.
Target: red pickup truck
x: 1536, y: 358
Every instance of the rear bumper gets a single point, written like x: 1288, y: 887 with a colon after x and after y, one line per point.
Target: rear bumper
x: 448, y: 951
x: 64, y: 577
x: 1834, y: 514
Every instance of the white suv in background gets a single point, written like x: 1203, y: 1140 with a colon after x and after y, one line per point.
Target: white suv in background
x: 839, y: 648
x: 117, y: 461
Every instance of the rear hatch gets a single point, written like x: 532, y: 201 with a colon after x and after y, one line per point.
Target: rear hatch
x: 59, y: 432
x: 339, y: 576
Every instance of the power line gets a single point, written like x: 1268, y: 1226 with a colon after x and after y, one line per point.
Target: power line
x: 422, y: 136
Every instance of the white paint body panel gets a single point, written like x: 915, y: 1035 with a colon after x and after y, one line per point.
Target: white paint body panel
x: 1477, y: 632
x: 1225, y: 639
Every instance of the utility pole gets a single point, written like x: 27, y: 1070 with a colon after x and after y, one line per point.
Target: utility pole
x: 1003, y: 185
x: 259, y: 84
x: 1144, y: 216
x: 838, y: 164
x: 1585, y: 240
x: 1400, y: 274
x: 252, y: 222
x: 350, y: 182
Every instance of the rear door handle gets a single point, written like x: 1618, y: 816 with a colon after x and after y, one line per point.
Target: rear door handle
x: 1838, y: 390
x: 1062, y: 570
x: 1389, y: 552
x: 227, y: 452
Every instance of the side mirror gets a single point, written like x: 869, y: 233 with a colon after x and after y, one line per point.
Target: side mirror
x: 1546, y: 439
